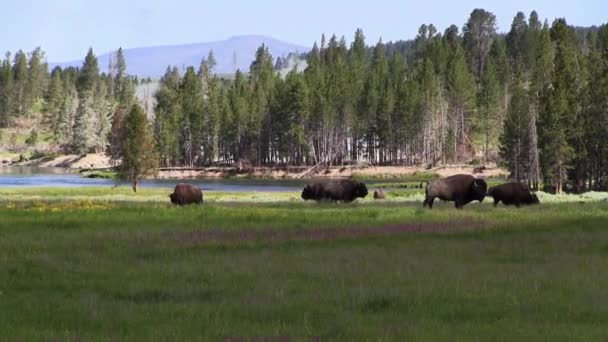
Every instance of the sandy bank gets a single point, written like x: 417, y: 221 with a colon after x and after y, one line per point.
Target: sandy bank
x: 101, y: 161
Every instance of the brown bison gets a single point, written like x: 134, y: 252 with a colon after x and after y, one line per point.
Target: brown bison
x: 512, y: 193
x: 345, y: 190
x: 184, y: 194
x: 461, y: 189
x: 379, y: 194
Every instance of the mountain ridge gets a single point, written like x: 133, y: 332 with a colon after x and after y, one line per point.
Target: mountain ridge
x: 152, y: 61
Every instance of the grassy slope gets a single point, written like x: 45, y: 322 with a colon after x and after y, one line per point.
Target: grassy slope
x: 94, y: 264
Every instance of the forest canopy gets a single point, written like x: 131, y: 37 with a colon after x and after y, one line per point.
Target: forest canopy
x: 534, y: 99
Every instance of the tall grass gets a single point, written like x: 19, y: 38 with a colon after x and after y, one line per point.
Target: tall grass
x: 107, y: 264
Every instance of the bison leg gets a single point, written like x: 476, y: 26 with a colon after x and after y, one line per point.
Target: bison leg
x: 429, y: 201
x: 496, y: 201
x: 458, y: 203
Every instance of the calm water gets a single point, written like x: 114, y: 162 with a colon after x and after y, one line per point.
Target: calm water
x: 21, y: 176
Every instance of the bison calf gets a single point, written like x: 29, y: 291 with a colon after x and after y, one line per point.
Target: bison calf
x: 379, y: 194
x: 185, y: 194
x: 336, y: 190
x: 461, y: 189
x: 512, y: 193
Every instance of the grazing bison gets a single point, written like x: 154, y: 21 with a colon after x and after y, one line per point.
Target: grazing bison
x: 379, y: 194
x: 336, y: 190
x: 512, y: 193
x: 461, y: 189
x: 184, y: 194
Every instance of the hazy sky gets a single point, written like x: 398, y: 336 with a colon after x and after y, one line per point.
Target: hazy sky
x: 66, y: 28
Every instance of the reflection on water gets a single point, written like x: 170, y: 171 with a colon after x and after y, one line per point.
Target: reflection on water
x: 25, y: 176
x: 31, y: 170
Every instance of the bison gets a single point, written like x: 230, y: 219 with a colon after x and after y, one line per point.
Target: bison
x: 379, y: 194
x: 185, y: 194
x: 512, y: 193
x: 345, y: 190
x: 461, y: 189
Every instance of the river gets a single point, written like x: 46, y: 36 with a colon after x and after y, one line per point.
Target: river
x: 25, y: 176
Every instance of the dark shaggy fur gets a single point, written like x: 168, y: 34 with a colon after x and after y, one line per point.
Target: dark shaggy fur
x: 461, y: 189
x: 335, y: 190
x: 184, y: 194
x: 512, y: 194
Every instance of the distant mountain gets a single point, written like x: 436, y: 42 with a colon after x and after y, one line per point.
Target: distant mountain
x: 153, y: 61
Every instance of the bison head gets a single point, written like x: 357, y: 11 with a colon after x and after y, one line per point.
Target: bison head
x: 480, y: 188
x: 360, y: 190
x: 307, y: 192
x: 533, y: 199
x: 173, y: 198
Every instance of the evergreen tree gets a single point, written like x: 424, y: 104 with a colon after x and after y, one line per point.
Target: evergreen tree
x: 479, y: 33
x: 211, y: 62
x: 461, y: 94
x: 596, y: 118
x: 488, y: 119
x: 116, y: 137
x: 191, y: 100
x: 55, y: 105
x: 88, y: 74
x: 6, y: 90
x: 260, y: 121
x: 358, y: 62
x: 516, y: 40
x: 139, y: 157
x: 566, y: 99
x: 238, y: 122
x: 37, y: 76
x: 168, y: 118
x: 20, y: 85
x: 514, y: 139
x: 83, y: 137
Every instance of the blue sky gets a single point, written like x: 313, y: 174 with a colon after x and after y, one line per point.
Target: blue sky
x: 66, y: 28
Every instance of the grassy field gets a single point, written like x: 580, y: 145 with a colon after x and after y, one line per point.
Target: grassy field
x: 107, y: 264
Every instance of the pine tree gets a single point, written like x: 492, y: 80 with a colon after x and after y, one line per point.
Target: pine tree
x: 514, y: 139
x: 358, y: 62
x: 568, y: 91
x: 211, y: 109
x: 211, y: 62
x: 116, y: 137
x: 139, y: 157
x: 479, y: 33
x: 260, y: 121
x: 6, y: 90
x: 20, y: 85
x: 88, y: 74
x: 461, y: 93
x: 238, y: 121
x: 516, y: 40
x: 292, y: 107
x: 315, y: 81
x: 596, y: 118
x: 191, y: 100
x: 37, y: 77
x: 168, y: 118
x: 55, y: 105
x: 83, y: 138
x: 103, y: 108
x: 488, y: 119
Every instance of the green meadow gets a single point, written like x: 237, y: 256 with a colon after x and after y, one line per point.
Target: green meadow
x: 99, y: 264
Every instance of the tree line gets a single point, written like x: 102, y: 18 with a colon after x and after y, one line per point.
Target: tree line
x: 535, y: 99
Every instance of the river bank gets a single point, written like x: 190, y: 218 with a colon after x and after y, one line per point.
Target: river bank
x: 97, y: 161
